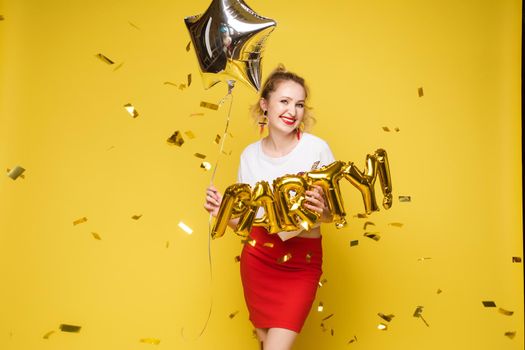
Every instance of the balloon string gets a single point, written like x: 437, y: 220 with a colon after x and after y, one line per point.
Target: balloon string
x: 231, y: 85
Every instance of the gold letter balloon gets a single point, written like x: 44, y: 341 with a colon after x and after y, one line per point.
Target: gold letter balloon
x: 283, y: 209
x: 229, y: 39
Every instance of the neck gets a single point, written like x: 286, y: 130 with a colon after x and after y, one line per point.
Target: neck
x: 278, y: 145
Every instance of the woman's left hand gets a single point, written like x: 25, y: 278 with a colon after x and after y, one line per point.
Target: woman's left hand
x: 315, y: 201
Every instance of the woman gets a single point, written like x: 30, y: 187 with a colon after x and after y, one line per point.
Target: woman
x: 280, y: 272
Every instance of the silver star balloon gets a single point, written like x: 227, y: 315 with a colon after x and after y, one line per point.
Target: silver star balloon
x: 229, y: 40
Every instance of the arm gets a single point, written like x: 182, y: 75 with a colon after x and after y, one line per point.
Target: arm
x: 213, y: 203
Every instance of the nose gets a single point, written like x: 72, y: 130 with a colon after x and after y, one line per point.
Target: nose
x: 292, y: 109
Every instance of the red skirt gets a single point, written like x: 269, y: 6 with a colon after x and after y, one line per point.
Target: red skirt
x: 280, y: 279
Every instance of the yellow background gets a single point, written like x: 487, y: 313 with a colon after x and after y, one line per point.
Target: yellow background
x: 457, y: 155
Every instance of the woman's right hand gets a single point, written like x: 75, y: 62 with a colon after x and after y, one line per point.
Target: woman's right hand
x: 213, y: 200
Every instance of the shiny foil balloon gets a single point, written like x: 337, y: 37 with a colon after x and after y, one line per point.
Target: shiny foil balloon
x: 229, y: 40
x: 262, y: 196
x: 234, y: 204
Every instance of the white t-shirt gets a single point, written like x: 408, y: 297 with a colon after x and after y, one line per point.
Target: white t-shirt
x: 310, y: 153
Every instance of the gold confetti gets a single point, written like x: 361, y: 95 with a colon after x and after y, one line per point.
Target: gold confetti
x: 2, y: 18
x: 189, y: 80
x: 327, y: 317
x: 268, y: 244
x: 170, y: 83
x: 368, y: 223
x: 505, y: 312
x: 206, y: 166
x: 196, y: 114
x: 104, y: 58
x: 382, y: 327
x: 96, y: 236
x: 332, y: 332
x: 152, y: 341
x: 133, y: 25
x: 118, y: 67
x: 373, y: 235
x: 405, y: 199
x: 233, y: 314
x: 182, y: 86
x: 217, y: 139
x: 320, y: 307
x: 315, y: 165
x: 188, y: 46
x: 322, y: 282
x: 79, y: 221
x: 48, y: 334
x: 285, y: 258
x: 200, y: 155
x: 439, y: 291
x: 249, y: 241
x: 387, y: 318
x: 361, y: 216
x: 176, y: 139
x: 423, y: 259
x: 354, y: 243
x: 185, y: 228
x: 488, y: 303
x: 396, y: 224
x: 167, y: 244
x: 323, y: 328
x: 352, y: 340
x: 131, y: 110
x: 209, y: 105
x: 516, y: 259
x: 136, y: 217
x: 419, y: 313
x: 308, y: 257
x: 396, y: 129
x: 16, y: 172
x: 386, y: 128
x: 237, y: 258
x: 190, y: 134
x: 510, y: 335
x: 420, y: 92
x: 70, y: 328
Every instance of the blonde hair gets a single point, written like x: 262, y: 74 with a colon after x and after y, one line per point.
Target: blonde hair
x: 277, y: 76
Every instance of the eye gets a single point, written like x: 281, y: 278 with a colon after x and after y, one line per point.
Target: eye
x: 300, y: 105
x: 284, y: 101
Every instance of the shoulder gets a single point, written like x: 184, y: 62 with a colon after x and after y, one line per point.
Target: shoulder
x: 251, y: 150
x: 314, y: 141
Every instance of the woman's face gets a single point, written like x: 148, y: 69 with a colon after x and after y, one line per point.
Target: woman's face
x: 285, y: 107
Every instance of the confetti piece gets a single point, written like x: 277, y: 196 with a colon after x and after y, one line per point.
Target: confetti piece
x: 182, y: 86
x: 200, y: 155
x: 396, y: 129
x: 405, y: 199
x: 118, y: 67
x: 382, y: 327
x: 237, y: 258
x: 368, y: 223
x: 396, y: 224
x: 170, y: 83
x: 322, y: 282
x: 209, y: 105
x: 423, y: 259
x: 327, y: 317
x: 285, y: 258
x: 69, y: 328
x: 206, y: 166
x: 354, y: 243
x: 505, y: 312
x: 104, y: 58
x: 323, y: 328
x: 136, y: 217
x: 131, y: 110
x: 315, y: 165
x: 332, y: 332
x: 217, y: 139
x: 420, y: 92
x: 48, y: 334
x: 133, y: 25
x: 16, y: 172
x: 373, y: 235
x: 176, y: 139
x: 152, y: 341
x: 510, y: 335
x: 352, y: 340
x: 167, y: 244
x: 418, y: 311
x: 188, y: 46
x: 386, y: 128
x: 387, y: 318
x: 268, y: 244
x: 233, y: 314
x: 189, y: 80
x: 439, y: 291
x: 196, y: 114
x: 320, y: 307
x: 361, y: 216
x: 516, y: 259
x: 96, y: 236
x: 79, y: 221
x: 185, y: 228
x: 190, y: 134
x: 308, y: 257
x: 2, y: 18
x: 249, y: 241
x: 489, y: 303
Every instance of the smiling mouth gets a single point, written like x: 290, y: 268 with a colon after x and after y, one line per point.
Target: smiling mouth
x: 288, y: 120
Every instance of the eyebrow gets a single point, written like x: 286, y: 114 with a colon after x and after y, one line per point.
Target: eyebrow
x: 289, y: 98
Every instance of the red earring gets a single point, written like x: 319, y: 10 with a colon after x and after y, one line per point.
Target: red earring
x: 298, y: 132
